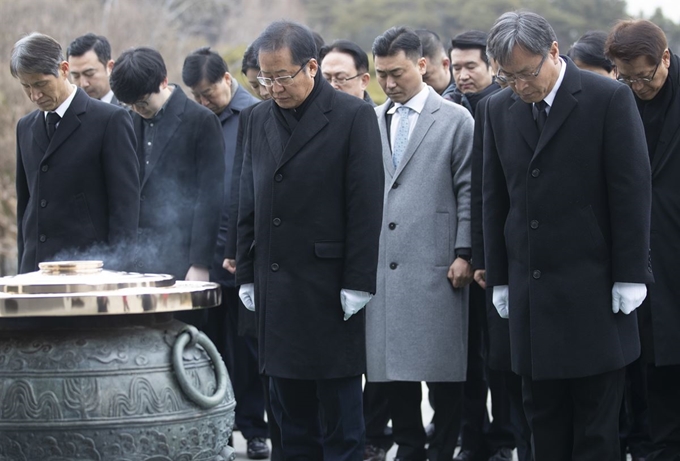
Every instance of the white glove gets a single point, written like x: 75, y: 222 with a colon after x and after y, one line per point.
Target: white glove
x: 500, y: 301
x: 626, y: 297
x: 353, y: 301
x: 247, y: 295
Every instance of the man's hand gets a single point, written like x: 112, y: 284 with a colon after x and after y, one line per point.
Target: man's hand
x: 230, y: 265
x: 197, y: 274
x: 480, y: 278
x: 460, y: 273
x: 353, y: 301
x: 500, y: 301
x: 626, y: 297
x: 247, y: 295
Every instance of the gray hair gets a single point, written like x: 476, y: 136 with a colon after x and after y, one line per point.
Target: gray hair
x: 527, y: 30
x: 36, y: 54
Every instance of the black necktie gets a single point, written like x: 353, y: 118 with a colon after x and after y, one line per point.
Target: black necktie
x: 540, y: 114
x: 52, y: 120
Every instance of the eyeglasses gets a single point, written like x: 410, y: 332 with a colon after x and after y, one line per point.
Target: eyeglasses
x: 141, y: 104
x: 283, y: 81
x: 339, y: 80
x: 632, y: 81
x: 525, y: 77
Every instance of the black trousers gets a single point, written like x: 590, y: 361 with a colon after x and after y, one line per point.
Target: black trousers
x: 634, y: 419
x: 478, y: 434
x: 299, y: 405
x: 240, y: 356
x: 575, y: 419
x: 407, y: 421
x: 663, y: 399
x: 377, y: 415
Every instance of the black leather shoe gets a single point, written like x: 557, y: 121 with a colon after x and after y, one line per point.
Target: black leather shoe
x: 258, y: 448
x: 373, y: 453
x: 503, y: 454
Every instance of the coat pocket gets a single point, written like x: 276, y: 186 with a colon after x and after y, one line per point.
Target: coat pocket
x: 84, y: 217
x: 329, y: 250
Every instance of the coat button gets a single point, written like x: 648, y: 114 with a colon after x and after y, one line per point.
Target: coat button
x: 275, y: 267
x: 395, y: 185
x: 535, y: 172
x: 278, y: 177
x: 44, y: 168
x: 534, y: 224
x: 43, y: 203
x: 392, y: 226
x: 42, y: 238
x: 141, y: 198
x: 393, y: 266
x: 277, y: 222
x: 536, y: 274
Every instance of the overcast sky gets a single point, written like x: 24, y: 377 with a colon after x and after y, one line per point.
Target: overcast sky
x: 671, y: 8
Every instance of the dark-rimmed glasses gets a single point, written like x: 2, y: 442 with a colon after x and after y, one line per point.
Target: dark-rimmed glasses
x: 632, y: 81
x: 525, y: 77
x: 283, y: 81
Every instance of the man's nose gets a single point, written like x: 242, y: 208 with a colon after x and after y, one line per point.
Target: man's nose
x: 35, y: 94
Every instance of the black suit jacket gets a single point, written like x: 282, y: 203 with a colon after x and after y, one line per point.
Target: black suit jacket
x: 78, y: 193
x: 565, y: 216
x: 308, y: 225
x: 182, y: 188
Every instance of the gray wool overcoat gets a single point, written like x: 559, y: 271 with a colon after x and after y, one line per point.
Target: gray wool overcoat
x: 417, y: 323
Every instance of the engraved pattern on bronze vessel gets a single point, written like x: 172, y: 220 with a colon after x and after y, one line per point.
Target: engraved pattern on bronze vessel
x: 20, y: 402
x: 81, y: 395
x: 142, y: 399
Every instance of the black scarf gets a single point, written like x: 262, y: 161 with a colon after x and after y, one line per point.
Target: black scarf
x: 287, y: 119
x: 470, y: 100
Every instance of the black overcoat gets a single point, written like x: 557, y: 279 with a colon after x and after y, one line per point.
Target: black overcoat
x: 661, y: 323
x: 309, y: 225
x: 182, y: 188
x: 78, y: 193
x: 565, y: 216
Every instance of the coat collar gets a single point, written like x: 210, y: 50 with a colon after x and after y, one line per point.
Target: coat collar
x: 563, y: 105
x: 239, y: 101
x: 172, y: 119
x: 425, y: 120
x: 68, y: 124
x: 313, y: 121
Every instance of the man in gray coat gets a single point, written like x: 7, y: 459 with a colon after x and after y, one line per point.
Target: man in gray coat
x: 416, y: 324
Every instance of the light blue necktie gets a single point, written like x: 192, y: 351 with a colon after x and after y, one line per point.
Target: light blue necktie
x: 401, y: 136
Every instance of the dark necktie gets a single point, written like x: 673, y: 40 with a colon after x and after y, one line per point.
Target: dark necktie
x: 540, y: 114
x: 52, y: 120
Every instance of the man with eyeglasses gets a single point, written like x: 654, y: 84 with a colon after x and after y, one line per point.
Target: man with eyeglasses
x: 181, y: 157
x: 643, y: 61
x: 567, y: 193
x: 310, y: 208
x: 345, y: 66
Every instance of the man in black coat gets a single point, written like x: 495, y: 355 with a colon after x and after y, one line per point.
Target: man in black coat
x: 90, y: 64
x: 567, y: 194
x: 309, y: 223
x: 643, y: 61
x: 181, y: 157
x: 77, y: 176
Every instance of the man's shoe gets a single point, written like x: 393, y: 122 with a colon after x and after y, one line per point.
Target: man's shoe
x: 465, y: 455
x: 504, y: 454
x: 258, y: 448
x: 373, y: 453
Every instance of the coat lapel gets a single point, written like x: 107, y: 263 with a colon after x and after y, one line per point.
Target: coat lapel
x: 172, y: 119
x: 313, y: 121
x: 564, y: 103
x: 69, y: 123
x: 271, y: 131
x: 425, y: 121
x: 381, y: 113
x: 40, y: 132
x: 524, y: 121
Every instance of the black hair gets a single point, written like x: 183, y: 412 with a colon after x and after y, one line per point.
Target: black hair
x: 345, y: 46
x: 98, y: 43
x: 136, y: 73
x: 203, y: 64
x: 287, y: 34
x: 471, y: 40
x: 249, y: 60
x: 431, y: 43
x: 318, y: 41
x: 397, y: 39
x: 589, y: 49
